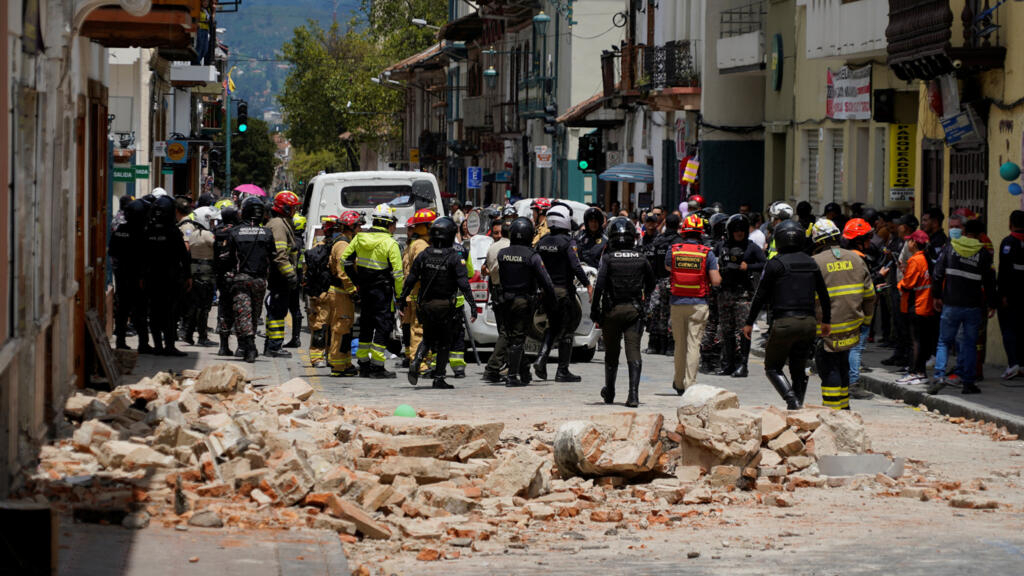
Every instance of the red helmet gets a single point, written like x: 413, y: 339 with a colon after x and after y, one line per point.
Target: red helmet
x: 328, y: 222
x: 856, y: 228
x: 692, y: 224
x: 285, y: 202
x: 542, y: 204
x: 698, y: 199
x: 350, y: 218
x: 423, y: 216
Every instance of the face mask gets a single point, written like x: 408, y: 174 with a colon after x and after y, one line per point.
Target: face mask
x: 955, y: 233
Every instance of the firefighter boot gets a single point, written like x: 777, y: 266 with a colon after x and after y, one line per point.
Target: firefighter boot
x: 249, y: 345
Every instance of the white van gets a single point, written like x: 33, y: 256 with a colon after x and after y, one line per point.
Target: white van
x: 332, y: 194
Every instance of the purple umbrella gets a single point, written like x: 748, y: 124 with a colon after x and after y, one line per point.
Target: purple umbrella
x: 250, y: 189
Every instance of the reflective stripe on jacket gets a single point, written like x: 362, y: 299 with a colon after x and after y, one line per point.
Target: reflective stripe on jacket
x: 852, y: 295
x: 917, y: 285
x: 690, y: 271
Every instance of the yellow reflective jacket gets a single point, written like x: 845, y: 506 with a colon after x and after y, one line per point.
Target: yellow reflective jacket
x: 413, y: 250
x: 852, y: 294
x: 286, y: 255
x: 375, y: 258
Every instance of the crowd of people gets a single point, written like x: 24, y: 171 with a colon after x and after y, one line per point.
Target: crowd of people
x: 696, y: 279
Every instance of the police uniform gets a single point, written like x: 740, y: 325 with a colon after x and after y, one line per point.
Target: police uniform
x: 625, y: 277
x: 297, y: 294
x: 374, y: 262
x: 591, y: 246
x: 126, y: 260
x: 1010, y: 279
x: 522, y: 271
x: 790, y: 282
x: 166, y: 272
x: 659, y: 339
x: 734, y: 299
x: 251, y: 251
x: 559, y: 254
x: 499, y: 357
x: 457, y: 354
x: 439, y: 273
x: 341, y: 312
x: 224, y: 272
x: 282, y: 282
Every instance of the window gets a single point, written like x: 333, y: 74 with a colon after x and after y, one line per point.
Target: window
x: 837, y: 166
x: 371, y: 196
x: 812, y: 165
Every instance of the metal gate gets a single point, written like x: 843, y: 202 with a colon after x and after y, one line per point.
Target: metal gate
x: 968, y: 180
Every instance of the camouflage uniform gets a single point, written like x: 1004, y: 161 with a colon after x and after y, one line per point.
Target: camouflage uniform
x: 711, y: 344
x: 247, y: 293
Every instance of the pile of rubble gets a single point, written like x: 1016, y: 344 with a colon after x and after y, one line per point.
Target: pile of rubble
x: 209, y: 449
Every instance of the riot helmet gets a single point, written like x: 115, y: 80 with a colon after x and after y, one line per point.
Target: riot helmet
x: 737, y: 223
x: 789, y: 237
x: 162, y: 212
x: 442, y: 232
x: 253, y: 210
x: 520, y: 232
x: 621, y: 234
x: 718, y: 221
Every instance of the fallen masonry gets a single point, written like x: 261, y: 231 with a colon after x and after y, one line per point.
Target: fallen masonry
x: 210, y: 450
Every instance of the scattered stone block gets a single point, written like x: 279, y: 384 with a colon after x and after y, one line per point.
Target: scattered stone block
x: 220, y: 379
x: 772, y: 424
x: 973, y: 502
x: 296, y: 388
x: 515, y: 474
x: 787, y: 444
x: 452, y: 434
x: 424, y: 470
x: 206, y: 519
x: 365, y: 524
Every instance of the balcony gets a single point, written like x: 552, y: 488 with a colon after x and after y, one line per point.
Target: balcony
x: 187, y: 75
x: 920, y: 34
x: 170, y: 24
x: 845, y: 28
x: 476, y: 112
x: 669, y: 77
x: 534, y: 94
x: 740, y: 45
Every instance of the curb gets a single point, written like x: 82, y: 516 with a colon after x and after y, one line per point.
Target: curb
x: 950, y: 405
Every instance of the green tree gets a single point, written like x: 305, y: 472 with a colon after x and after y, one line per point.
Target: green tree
x: 304, y: 166
x: 252, y: 156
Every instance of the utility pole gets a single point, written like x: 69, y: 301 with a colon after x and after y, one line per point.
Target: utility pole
x: 227, y: 135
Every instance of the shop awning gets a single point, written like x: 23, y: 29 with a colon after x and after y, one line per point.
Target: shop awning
x: 465, y: 29
x: 632, y: 172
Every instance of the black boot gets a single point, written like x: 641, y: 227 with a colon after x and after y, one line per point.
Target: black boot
x: 654, y: 345
x: 121, y: 344
x: 608, y: 392
x: 633, y: 400
x: 540, y: 365
x: 249, y: 345
x: 564, y: 357
x: 417, y: 361
x: 381, y: 373
x: 800, y: 386
x: 741, y: 365
x: 782, y: 386
x: 740, y: 372
x: 516, y: 368
x: 364, y: 369
x: 225, y: 348
x: 275, y: 350
x: 440, y: 384
x: 296, y: 340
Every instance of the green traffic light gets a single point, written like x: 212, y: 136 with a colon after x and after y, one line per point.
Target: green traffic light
x: 584, y: 164
x: 243, y: 127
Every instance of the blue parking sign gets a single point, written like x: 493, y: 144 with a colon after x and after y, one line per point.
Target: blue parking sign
x: 474, y: 177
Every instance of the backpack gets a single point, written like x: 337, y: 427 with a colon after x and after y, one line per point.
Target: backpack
x: 317, y: 276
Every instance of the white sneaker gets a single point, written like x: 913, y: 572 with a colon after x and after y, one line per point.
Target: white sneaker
x: 1011, y: 372
x: 907, y: 378
x: 919, y: 379
x: 930, y: 363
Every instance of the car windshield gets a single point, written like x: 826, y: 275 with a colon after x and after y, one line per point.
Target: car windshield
x: 368, y: 196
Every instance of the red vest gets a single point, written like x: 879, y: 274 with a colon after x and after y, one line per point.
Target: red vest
x: 689, y: 271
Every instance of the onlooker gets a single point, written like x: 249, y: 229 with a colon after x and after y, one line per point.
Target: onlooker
x: 931, y: 223
x: 834, y: 212
x: 1011, y: 303
x: 805, y: 214
x: 756, y: 233
x: 916, y: 301
x: 963, y: 285
x: 906, y: 225
x: 745, y: 209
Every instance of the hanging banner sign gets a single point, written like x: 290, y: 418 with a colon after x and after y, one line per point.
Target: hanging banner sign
x: 691, y: 171
x: 543, y: 156
x: 177, y: 152
x: 848, y: 93
x: 902, y: 161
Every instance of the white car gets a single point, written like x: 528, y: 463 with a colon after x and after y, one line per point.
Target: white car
x: 484, y: 332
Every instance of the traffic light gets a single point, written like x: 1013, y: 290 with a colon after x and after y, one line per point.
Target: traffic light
x: 214, y: 158
x: 590, y: 158
x: 243, y: 116
x: 551, y: 119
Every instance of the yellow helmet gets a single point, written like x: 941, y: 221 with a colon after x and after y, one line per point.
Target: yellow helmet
x: 299, y: 222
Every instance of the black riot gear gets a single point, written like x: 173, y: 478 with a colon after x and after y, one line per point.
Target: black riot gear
x: 736, y: 223
x: 442, y: 232
x: 253, y: 210
x: 789, y: 237
x: 229, y: 215
x: 520, y: 232
x: 162, y: 212
x: 621, y: 233
x: 422, y: 193
x: 718, y: 223
x: 593, y: 214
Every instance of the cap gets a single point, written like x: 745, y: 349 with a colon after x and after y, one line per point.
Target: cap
x: 918, y: 236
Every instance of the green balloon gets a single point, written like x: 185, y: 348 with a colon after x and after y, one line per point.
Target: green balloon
x: 1009, y: 171
x: 405, y: 411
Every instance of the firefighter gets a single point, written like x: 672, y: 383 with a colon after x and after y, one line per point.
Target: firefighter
x: 223, y: 268
x: 659, y: 339
x: 439, y: 271
x: 284, y: 278
x: 340, y: 295
x: 420, y: 227
x: 591, y: 238
x: 789, y: 283
x: 457, y: 352
x: 559, y: 253
x: 374, y: 262
x: 204, y: 278
x: 522, y: 271
x: 740, y: 262
x: 296, y: 297
x: 852, y: 300
x: 316, y: 282
x: 250, y: 252
x: 693, y: 271
x: 540, y: 207
x: 499, y: 357
x: 623, y: 282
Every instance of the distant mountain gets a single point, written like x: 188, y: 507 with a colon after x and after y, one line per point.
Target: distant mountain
x: 254, y: 36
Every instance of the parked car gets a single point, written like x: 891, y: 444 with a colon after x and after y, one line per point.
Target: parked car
x: 484, y: 332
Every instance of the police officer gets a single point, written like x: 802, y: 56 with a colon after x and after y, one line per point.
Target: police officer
x: 316, y: 282
x: 852, y: 302
x: 341, y: 315
x: 126, y: 260
x: 457, y: 352
x: 623, y: 282
x: 659, y: 340
x: 166, y: 275
x: 224, y: 270
x: 420, y: 226
x: 789, y: 283
x: 204, y: 280
x: 591, y: 239
x: 711, y: 349
x: 522, y: 271
x: 499, y: 357
x: 740, y: 262
x: 439, y: 271
x: 297, y: 296
x: 374, y: 262
x: 284, y: 277
x: 251, y: 253
x: 183, y: 304
x: 559, y: 253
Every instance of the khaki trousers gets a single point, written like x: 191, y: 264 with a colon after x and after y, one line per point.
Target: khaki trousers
x: 688, y: 322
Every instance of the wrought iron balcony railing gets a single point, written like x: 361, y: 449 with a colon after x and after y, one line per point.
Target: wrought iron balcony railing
x: 667, y: 66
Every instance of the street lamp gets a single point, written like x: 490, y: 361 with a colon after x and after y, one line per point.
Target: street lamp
x: 540, y: 23
x: 420, y: 22
x: 491, y: 77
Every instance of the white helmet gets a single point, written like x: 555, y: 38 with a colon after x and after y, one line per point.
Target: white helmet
x: 158, y: 192
x: 384, y: 212
x: 205, y: 216
x: 558, y: 218
x: 823, y: 230
x: 780, y: 211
